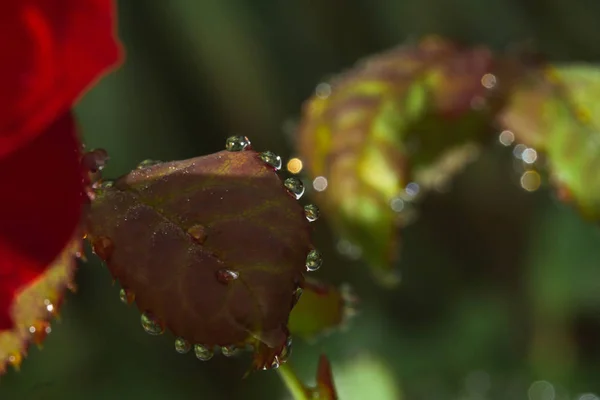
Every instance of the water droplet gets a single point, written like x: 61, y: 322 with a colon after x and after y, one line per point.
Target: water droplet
x: 313, y: 261
x: 412, y: 189
x: 229, y: 351
x: 320, y: 183
x: 286, y: 351
x: 15, y: 360
x: 126, y: 296
x: 39, y: 331
x: 311, y: 212
x: 105, y: 184
x: 182, y: 346
x: 198, y: 233
x: 397, y: 204
x: 529, y: 155
x: 506, y: 138
x: 518, y: 151
x: 203, y: 353
x: 323, y: 90
x: 147, y: 163
x: 489, y: 81
x: 95, y: 160
x: 49, y: 306
x: 151, y: 324
x: 294, y: 186
x: 294, y: 166
x: 237, y: 143
x: 531, y: 181
x: 297, y: 294
x: 226, y: 276
x: 103, y: 247
x: 272, y: 159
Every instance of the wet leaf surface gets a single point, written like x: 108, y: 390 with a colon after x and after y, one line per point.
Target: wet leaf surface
x: 212, y: 248
x: 396, y: 125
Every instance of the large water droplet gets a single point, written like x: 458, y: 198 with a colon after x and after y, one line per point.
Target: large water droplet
x: 294, y: 186
x: 202, y: 352
x: 198, y: 233
x: 147, y: 163
x: 311, y: 212
x: 103, y: 247
x: 151, y: 324
x: 226, y: 276
x: 182, y: 346
x: 313, y: 261
x: 229, y: 351
x: 272, y: 159
x: 237, y: 143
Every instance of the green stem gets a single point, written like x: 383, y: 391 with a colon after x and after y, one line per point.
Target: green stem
x: 293, y: 383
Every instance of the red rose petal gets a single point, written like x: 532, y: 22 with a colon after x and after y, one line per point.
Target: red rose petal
x: 40, y: 207
x: 51, y: 52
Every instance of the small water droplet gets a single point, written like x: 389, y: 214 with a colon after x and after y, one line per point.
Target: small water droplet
x: 489, y: 81
x: 294, y: 165
x: 323, y: 90
x: 151, y: 324
x: 15, y: 360
x: 148, y: 163
x: 95, y: 160
x: 126, y: 296
x: 286, y: 351
x: 103, y: 247
x: 229, y: 351
x: 226, y: 276
x: 506, y: 138
x: 272, y: 159
x: 39, y: 331
x: 105, y: 184
x: 313, y: 261
x: 529, y: 155
x: 311, y: 212
x: 531, y: 180
x: 203, y: 353
x: 412, y: 189
x: 237, y: 143
x: 182, y: 346
x: 320, y: 183
x: 518, y: 150
x: 198, y: 233
x: 294, y: 186
x: 297, y: 294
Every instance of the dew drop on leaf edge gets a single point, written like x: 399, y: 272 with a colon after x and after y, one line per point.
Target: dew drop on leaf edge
x: 314, y: 260
x: 151, y: 325
x: 202, y: 352
x: 294, y: 186
x: 311, y: 212
x: 182, y: 346
x: 237, y: 143
x: 272, y: 159
x: 126, y: 296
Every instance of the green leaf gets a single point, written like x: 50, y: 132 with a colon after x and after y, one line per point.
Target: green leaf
x: 398, y: 124
x: 321, y: 309
x: 555, y: 111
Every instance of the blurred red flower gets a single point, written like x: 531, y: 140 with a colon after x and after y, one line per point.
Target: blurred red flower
x: 52, y: 51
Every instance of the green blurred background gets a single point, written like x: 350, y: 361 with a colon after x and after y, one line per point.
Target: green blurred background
x: 500, y: 292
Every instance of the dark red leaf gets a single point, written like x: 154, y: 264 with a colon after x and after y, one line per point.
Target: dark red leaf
x: 213, y: 248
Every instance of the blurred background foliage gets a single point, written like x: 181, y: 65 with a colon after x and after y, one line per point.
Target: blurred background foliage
x: 499, y: 296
